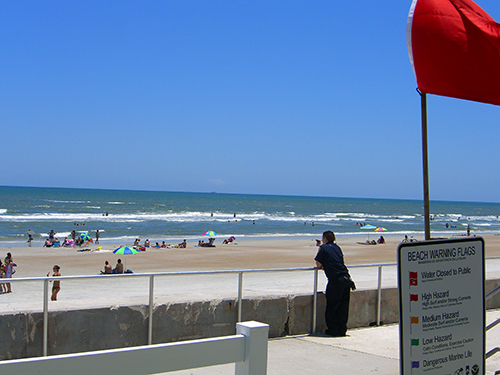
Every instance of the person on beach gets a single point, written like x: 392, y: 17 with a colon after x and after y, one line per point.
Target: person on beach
x: 183, y: 245
x: 9, y: 270
x: 97, y: 235
x: 119, y: 267
x: 30, y: 237
x: 73, y: 235
x: 107, y: 269
x: 3, y: 275
x: 52, y: 235
x: 56, y: 287
x: 147, y: 243
x: 331, y: 260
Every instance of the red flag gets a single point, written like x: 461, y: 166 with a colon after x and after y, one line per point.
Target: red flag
x: 413, y: 278
x: 414, y: 297
x: 454, y: 48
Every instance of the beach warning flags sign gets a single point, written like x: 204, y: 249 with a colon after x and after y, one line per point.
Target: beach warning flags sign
x: 454, y: 47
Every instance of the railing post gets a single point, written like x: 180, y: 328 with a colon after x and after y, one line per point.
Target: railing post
x: 240, y: 294
x: 315, y: 301
x: 379, y: 299
x: 256, y: 336
x: 151, y: 305
x: 45, y: 316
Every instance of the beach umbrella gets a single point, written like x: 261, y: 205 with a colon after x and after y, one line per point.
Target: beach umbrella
x: 368, y: 227
x: 85, y: 236
x: 125, y: 250
x: 380, y: 229
x: 210, y: 233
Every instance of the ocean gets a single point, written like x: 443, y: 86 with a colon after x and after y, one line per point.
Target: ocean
x: 123, y: 215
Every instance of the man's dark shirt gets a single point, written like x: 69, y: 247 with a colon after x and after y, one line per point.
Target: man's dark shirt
x: 332, y: 259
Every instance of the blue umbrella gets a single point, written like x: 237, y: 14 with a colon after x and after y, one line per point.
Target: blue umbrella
x: 368, y: 227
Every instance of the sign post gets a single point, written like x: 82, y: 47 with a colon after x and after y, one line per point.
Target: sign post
x: 442, y: 307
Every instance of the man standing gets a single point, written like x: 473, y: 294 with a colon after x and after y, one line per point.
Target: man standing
x: 30, y: 236
x: 331, y: 260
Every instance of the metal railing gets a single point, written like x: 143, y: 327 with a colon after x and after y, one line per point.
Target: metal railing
x: 240, y: 273
x: 152, y: 277
x: 379, y: 284
x: 489, y: 295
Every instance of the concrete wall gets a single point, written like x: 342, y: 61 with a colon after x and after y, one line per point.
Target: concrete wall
x: 94, y: 329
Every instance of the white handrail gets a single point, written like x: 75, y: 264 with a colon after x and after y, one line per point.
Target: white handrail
x: 248, y: 349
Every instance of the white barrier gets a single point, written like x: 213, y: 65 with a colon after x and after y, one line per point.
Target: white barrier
x: 248, y: 348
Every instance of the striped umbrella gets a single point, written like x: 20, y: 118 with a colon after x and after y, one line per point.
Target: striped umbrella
x: 85, y: 237
x: 125, y: 250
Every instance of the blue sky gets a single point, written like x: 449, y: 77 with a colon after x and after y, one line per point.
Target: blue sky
x: 265, y: 97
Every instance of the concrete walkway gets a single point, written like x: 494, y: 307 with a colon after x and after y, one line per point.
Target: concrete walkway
x: 364, y: 351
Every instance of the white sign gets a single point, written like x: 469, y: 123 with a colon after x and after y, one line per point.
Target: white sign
x: 441, y: 307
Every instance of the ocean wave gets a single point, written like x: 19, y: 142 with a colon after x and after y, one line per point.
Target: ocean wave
x: 206, y: 217
x: 59, y: 201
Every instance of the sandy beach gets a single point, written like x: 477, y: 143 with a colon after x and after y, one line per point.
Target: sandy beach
x: 108, y: 291
x: 36, y: 261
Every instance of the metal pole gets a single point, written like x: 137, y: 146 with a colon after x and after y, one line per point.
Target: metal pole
x: 45, y: 316
x: 151, y: 305
x: 240, y: 294
x: 423, y: 97
x: 315, y: 301
x: 379, y: 300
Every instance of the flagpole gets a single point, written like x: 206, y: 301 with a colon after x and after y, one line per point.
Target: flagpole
x: 427, y: 222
